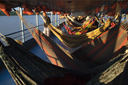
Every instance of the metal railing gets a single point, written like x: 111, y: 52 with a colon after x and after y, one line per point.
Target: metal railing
x: 18, y: 34
x: 24, y: 34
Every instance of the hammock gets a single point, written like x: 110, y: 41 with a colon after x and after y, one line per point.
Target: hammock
x: 28, y: 69
x: 70, y: 40
x: 82, y: 29
x: 68, y: 29
x: 81, y: 19
x: 114, y: 35
x: 55, y: 53
x: 74, y: 41
x: 77, y: 23
x: 71, y: 24
x: 104, y: 47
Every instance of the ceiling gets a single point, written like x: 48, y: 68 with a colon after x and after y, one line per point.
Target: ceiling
x: 65, y: 5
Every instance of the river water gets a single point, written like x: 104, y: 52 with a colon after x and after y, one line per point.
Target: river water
x: 12, y: 24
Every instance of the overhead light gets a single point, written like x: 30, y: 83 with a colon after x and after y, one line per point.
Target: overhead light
x: 69, y: 2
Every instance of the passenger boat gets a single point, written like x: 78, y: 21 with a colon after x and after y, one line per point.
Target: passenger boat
x: 91, y: 55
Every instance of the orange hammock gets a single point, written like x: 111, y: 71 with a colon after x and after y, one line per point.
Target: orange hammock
x: 27, y: 9
x: 6, y: 8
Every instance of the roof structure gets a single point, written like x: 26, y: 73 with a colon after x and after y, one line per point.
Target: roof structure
x: 64, y: 5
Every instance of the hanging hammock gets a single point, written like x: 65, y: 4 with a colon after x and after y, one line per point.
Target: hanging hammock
x: 110, y: 38
x: 74, y: 41
x: 71, y: 24
x: 104, y: 47
x: 57, y: 56
x: 81, y: 19
x: 68, y: 29
x: 77, y: 23
x: 55, y: 53
x: 28, y: 69
x: 82, y: 29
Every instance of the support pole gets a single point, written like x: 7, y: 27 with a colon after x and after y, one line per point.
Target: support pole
x: 37, y: 21
x: 125, y: 16
x: 22, y: 26
x: 120, y: 17
x: 58, y: 20
x: 55, y: 19
x: 51, y: 17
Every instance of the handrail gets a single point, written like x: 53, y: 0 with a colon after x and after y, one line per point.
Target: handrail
x: 25, y: 30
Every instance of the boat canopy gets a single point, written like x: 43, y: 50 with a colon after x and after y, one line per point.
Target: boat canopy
x: 65, y: 6
x: 69, y: 5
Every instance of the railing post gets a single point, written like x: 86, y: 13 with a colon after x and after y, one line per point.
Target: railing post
x: 55, y: 19
x: 51, y: 16
x: 22, y: 26
x: 62, y: 19
x: 37, y: 20
x: 58, y: 19
x: 125, y: 16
